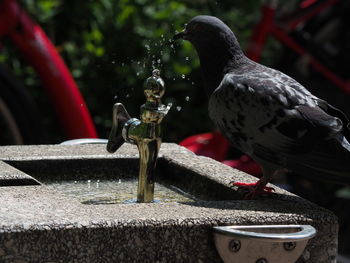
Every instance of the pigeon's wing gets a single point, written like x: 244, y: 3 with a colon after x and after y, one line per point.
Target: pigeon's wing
x: 272, y: 120
x: 324, y: 105
x: 328, y: 160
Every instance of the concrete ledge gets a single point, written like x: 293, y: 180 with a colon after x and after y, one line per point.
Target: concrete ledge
x: 39, y: 224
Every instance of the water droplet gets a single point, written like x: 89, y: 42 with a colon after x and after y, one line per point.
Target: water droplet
x: 187, y: 98
x: 178, y: 108
x: 113, y: 62
x: 137, y: 73
x: 170, y: 104
x: 98, y: 181
x: 162, y: 36
x: 115, y: 97
x: 75, y: 182
x: 174, y: 78
x: 187, y: 58
x: 89, y: 181
x: 183, y: 76
x: 123, y: 64
x: 192, y: 83
x: 119, y: 181
x: 138, y: 62
x: 127, y: 95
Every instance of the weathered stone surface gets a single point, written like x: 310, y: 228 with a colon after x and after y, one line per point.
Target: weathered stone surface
x: 39, y: 224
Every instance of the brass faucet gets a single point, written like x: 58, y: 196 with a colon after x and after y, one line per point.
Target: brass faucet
x: 145, y: 133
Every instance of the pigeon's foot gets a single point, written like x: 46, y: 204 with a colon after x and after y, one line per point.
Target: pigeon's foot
x: 253, y: 190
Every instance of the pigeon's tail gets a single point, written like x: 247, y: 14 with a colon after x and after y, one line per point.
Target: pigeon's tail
x: 328, y: 161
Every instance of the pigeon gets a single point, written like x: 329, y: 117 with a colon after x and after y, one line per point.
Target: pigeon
x: 267, y: 114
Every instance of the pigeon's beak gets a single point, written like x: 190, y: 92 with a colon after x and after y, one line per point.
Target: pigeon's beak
x: 180, y: 35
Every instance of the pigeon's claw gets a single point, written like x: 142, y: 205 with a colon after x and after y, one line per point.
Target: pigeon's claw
x: 253, y: 190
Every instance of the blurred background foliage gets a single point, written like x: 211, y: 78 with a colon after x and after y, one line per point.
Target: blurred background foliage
x: 112, y: 46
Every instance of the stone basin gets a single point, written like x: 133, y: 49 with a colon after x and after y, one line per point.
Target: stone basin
x: 41, y: 224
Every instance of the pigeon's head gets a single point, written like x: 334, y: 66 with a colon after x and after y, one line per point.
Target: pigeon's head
x: 208, y: 32
x: 216, y: 45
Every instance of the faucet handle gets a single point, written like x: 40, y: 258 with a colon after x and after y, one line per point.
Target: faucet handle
x: 120, y: 117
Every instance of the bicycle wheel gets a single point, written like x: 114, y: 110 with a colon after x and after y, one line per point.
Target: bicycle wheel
x: 19, y: 122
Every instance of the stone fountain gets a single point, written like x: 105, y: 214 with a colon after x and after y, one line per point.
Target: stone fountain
x: 38, y: 223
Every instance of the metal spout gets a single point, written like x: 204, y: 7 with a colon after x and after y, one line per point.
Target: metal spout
x: 145, y: 133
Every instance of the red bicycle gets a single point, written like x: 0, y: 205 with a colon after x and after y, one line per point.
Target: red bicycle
x: 18, y: 117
